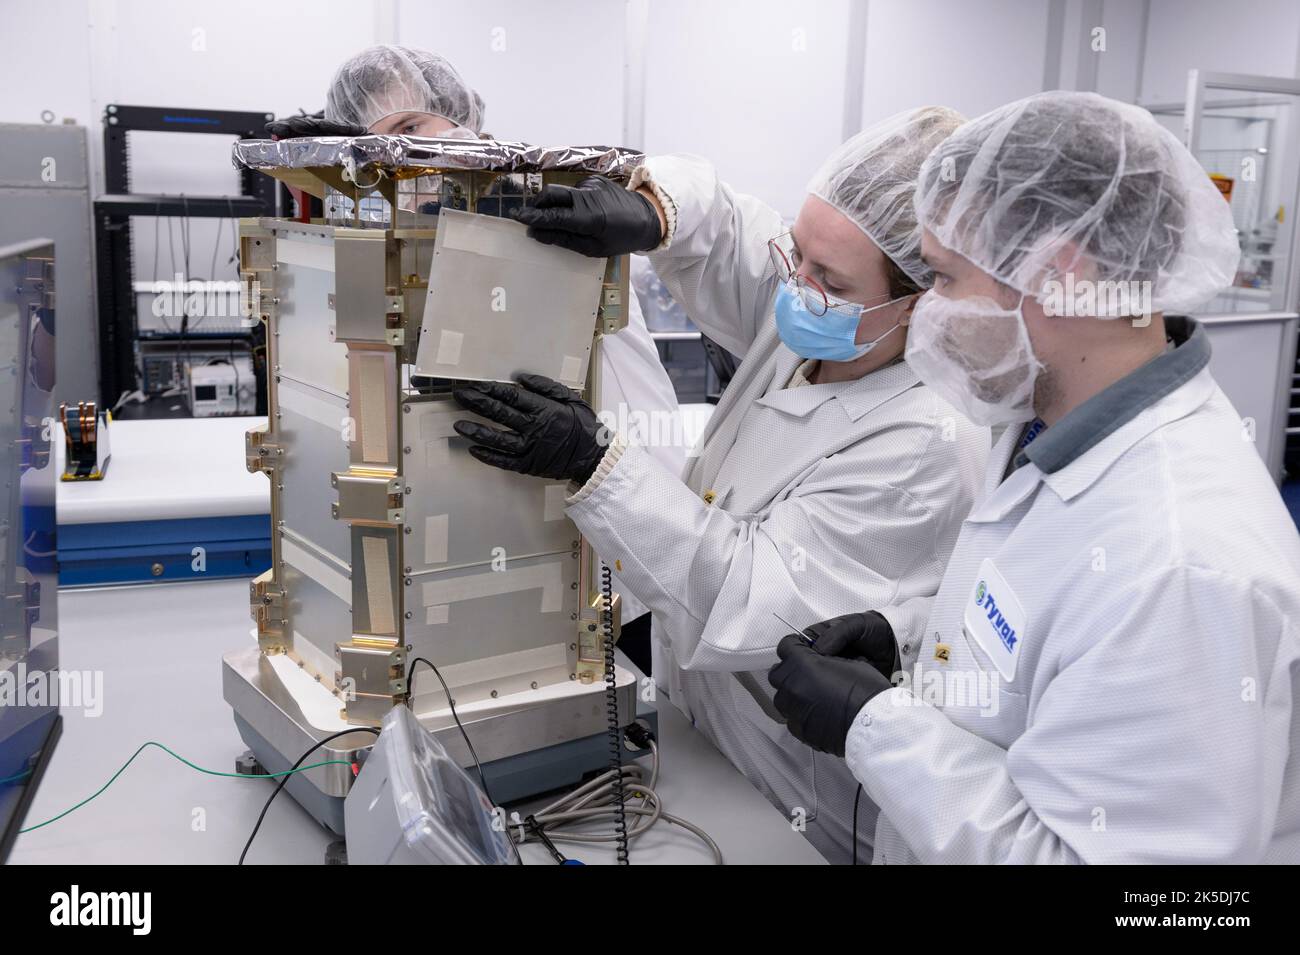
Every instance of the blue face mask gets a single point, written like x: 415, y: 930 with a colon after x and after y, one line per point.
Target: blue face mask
x: 829, y: 337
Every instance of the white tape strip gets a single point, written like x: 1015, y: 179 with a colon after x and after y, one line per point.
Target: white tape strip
x: 553, y: 509
x: 374, y: 408
x: 379, y: 590
x: 314, y: 408
x: 571, y: 371
x: 313, y: 255
x: 438, y: 424
x: 449, y: 344
x: 437, y: 455
x: 549, y: 577
x: 435, y: 539
x: 436, y: 614
x: 311, y: 566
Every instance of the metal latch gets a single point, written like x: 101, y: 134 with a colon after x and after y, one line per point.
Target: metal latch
x: 371, y: 677
x: 591, y: 639
x: 261, y: 452
x: 367, y: 498
x: 266, y: 602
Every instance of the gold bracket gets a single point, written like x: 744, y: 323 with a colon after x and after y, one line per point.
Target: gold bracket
x: 371, y: 678
x: 267, y: 605
x: 367, y: 498
x: 261, y: 452
x: 591, y: 640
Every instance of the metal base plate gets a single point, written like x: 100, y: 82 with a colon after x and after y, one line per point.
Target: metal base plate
x: 525, y: 752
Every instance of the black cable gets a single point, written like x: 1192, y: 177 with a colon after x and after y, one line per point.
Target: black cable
x: 153, y: 277
x: 216, y: 244
x: 540, y: 831
x: 452, y: 705
x: 177, y: 376
x: 857, y: 797
x: 186, y: 328
x: 230, y: 347
x: 611, y: 707
x: 234, y: 225
x: 285, y: 778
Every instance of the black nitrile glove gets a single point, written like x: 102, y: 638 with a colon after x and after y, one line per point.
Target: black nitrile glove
x: 820, y: 696
x: 553, y: 433
x: 865, y: 636
x: 597, y: 218
x: 294, y: 127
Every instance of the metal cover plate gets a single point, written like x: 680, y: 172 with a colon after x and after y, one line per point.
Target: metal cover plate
x: 304, y: 282
x: 491, y: 292
x: 476, y: 612
x: 311, y: 429
x: 460, y: 511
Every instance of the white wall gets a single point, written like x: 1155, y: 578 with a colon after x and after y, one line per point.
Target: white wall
x: 46, y: 60
x: 1244, y: 36
x: 75, y: 56
x: 970, y: 56
x: 759, y: 86
x: 549, y: 72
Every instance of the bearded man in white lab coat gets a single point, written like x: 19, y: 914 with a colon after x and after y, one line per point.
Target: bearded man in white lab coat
x: 827, y: 472
x: 1110, y: 667
x: 399, y: 91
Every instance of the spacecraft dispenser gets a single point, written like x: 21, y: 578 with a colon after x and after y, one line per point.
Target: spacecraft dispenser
x: 390, y: 543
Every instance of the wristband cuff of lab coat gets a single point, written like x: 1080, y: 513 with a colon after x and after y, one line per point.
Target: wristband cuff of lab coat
x: 607, y: 462
x: 641, y: 177
x: 860, y: 744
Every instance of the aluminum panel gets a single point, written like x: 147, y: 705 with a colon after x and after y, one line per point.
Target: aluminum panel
x: 317, y: 616
x: 462, y: 512
x: 492, y: 290
x: 470, y: 613
x: 311, y: 431
x: 307, y: 351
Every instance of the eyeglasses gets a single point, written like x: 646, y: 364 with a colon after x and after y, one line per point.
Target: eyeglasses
x: 813, y: 295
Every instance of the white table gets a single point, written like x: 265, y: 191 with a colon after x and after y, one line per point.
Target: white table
x: 169, y: 469
x: 159, y: 649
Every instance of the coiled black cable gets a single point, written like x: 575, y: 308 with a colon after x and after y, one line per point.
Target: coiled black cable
x: 611, y: 707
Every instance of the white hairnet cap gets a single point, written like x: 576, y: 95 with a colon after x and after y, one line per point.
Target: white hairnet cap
x: 1073, y: 184
x: 386, y: 79
x: 871, y: 178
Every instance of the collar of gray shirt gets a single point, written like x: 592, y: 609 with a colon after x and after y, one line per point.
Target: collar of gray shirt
x: 1110, y: 409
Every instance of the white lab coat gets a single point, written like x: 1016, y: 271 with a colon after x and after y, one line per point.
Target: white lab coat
x: 633, y: 381
x: 825, y: 499
x: 1151, y: 713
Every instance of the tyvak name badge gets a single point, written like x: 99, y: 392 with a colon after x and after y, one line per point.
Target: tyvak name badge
x: 995, y: 620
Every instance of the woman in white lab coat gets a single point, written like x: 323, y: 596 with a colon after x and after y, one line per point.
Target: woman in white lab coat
x: 827, y: 472
x: 399, y: 91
